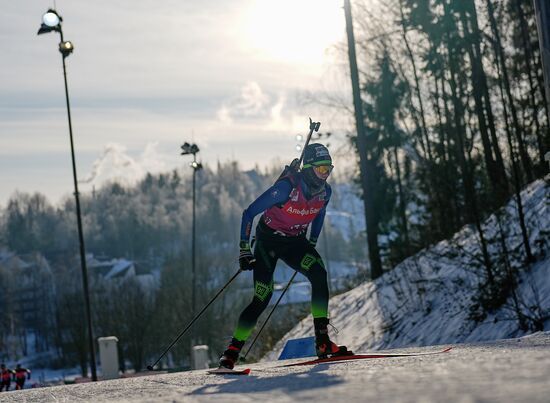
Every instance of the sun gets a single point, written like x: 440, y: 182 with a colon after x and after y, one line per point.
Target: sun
x: 298, y: 31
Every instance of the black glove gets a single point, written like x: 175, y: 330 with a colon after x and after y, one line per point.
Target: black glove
x: 247, y: 261
x: 295, y: 164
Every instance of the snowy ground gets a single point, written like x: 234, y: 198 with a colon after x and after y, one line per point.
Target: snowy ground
x: 514, y: 370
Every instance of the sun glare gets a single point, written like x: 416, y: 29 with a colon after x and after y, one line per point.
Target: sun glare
x: 294, y: 30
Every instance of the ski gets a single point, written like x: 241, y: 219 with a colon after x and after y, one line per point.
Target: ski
x: 227, y: 371
x: 365, y: 356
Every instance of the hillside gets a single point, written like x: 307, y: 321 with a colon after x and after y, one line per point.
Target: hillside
x: 428, y: 298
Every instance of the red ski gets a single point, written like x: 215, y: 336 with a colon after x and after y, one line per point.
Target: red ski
x: 365, y: 356
x: 227, y: 371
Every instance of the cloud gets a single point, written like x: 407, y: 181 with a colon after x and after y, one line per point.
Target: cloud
x: 116, y: 164
x: 251, y: 103
x: 274, y: 113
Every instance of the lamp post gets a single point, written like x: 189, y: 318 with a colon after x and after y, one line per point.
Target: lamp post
x: 186, y: 150
x: 51, y: 21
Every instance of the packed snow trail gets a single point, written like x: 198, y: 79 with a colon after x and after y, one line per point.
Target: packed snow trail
x: 514, y: 370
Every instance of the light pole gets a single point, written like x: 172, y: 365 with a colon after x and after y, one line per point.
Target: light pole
x: 186, y: 150
x: 51, y: 21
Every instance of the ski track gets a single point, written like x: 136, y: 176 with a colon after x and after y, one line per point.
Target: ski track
x: 513, y: 370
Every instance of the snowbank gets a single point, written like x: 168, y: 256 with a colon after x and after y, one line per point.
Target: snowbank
x: 426, y: 299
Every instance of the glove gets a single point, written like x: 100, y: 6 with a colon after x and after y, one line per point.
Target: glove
x: 295, y: 164
x: 247, y: 261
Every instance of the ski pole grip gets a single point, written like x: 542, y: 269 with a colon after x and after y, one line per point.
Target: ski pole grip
x: 313, y: 126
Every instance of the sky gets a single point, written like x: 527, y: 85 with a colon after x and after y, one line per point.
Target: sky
x: 146, y: 76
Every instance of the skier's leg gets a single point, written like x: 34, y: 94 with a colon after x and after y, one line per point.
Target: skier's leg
x: 263, y: 290
x: 304, y: 258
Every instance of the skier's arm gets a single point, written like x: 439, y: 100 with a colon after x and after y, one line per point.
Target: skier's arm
x: 317, y: 223
x: 276, y: 194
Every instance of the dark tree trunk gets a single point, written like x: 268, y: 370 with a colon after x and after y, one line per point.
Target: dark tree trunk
x: 416, y: 83
x: 495, y: 166
x: 526, y: 161
x: 402, y: 204
x: 373, y: 219
x: 505, y: 82
x: 472, y: 212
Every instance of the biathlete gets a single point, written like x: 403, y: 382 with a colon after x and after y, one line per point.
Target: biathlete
x: 296, y: 201
x: 21, y: 374
x: 5, y: 377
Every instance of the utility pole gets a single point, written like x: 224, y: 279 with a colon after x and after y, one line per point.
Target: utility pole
x: 364, y: 166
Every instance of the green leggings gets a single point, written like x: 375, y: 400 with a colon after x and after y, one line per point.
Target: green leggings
x: 300, y: 255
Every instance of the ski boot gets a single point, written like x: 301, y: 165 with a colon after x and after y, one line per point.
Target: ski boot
x: 231, y: 355
x: 324, y: 347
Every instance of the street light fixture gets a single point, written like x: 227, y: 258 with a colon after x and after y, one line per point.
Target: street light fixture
x: 51, y: 21
x: 186, y: 150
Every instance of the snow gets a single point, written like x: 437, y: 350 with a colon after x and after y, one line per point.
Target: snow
x: 119, y: 268
x: 514, y: 370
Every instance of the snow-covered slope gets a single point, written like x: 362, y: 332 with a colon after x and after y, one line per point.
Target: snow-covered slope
x: 426, y: 299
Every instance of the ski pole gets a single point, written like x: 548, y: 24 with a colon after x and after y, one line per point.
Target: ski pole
x: 150, y: 367
x: 243, y: 358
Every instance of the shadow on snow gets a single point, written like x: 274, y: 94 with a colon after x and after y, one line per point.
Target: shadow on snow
x: 288, y: 382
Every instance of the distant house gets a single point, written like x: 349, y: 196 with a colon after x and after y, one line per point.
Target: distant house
x: 122, y: 269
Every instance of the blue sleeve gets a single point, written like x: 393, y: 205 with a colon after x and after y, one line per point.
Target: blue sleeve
x: 276, y: 194
x: 317, y: 223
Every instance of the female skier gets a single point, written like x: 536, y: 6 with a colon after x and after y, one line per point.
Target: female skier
x: 296, y: 201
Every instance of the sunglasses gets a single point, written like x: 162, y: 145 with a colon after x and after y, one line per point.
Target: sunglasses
x: 321, y: 169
